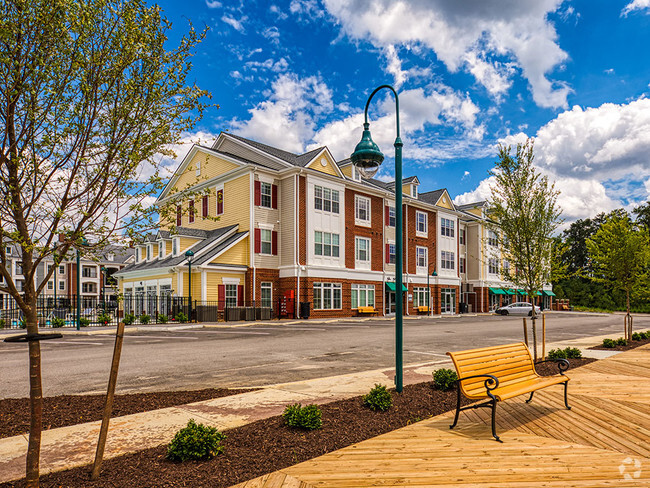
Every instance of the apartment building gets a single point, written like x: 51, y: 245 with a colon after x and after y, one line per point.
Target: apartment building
x: 96, y: 278
x: 264, y: 224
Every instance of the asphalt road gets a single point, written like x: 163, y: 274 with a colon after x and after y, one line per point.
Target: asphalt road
x: 269, y: 353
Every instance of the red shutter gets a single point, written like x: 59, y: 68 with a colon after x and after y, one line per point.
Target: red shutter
x: 191, y: 211
x: 387, y: 252
x: 179, y: 216
x: 258, y: 241
x: 258, y: 193
x: 219, y: 202
x: 274, y: 243
x: 240, y: 295
x: 221, y: 296
x: 206, y: 209
x: 274, y: 196
x: 387, y: 215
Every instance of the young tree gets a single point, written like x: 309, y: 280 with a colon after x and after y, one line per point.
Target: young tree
x: 523, y: 208
x: 89, y: 100
x: 620, y: 253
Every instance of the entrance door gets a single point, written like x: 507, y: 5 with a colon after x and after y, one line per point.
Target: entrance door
x: 448, y: 300
x: 390, y: 303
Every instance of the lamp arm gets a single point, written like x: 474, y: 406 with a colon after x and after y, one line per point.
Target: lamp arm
x: 365, y: 112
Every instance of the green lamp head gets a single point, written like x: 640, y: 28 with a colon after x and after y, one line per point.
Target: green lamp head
x: 189, y: 253
x: 366, y: 156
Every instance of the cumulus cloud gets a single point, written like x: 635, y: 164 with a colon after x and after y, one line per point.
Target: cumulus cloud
x: 238, y: 25
x: 635, y: 5
x: 514, y: 33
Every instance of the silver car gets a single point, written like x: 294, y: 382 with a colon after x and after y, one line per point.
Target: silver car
x: 518, y: 308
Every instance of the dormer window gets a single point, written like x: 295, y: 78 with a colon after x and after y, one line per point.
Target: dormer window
x: 137, y: 254
x: 175, y: 247
x: 110, y: 256
x: 161, y: 249
x: 356, y: 176
x: 414, y: 191
x: 149, y: 252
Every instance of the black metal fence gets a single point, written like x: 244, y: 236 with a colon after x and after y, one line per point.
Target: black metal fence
x: 141, y: 310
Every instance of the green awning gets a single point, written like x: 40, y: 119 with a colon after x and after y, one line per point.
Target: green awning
x: 497, y: 291
x: 522, y: 292
x: 391, y: 286
x: 510, y: 292
x: 549, y: 293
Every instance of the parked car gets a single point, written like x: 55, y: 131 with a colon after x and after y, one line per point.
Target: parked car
x: 518, y: 308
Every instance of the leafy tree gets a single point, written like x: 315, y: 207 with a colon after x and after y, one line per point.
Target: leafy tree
x: 90, y: 97
x: 621, y: 255
x: 642, y: 213
x: 523, y: 207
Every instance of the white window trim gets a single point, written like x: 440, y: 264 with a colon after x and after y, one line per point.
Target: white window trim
x: 265, y: 226
x: 333, y: 286
x: 362, y: 288
x: 230, y: 281
x: 420, y: 233
x: 262, y: 195
x: 358, y: 221
x: 362, y: 264
x: 421, y: 270
x: 269, y: 285
x: 270, y: 242
x: 198, y: 167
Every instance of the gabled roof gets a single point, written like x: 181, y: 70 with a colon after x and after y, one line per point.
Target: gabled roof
x: 431, y: 197
x: 222, y: 246
x: 405, y: 181
x: 291, y: 158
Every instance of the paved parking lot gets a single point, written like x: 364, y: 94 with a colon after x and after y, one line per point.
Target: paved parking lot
x: 271, y: 352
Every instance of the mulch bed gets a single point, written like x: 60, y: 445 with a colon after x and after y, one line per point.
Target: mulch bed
x: 267, y: 445
x: 630, y: 345
x: 64, y: 410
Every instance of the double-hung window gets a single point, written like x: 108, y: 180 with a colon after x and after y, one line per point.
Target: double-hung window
x: 506, y: 268
x: 161, y: 250
x: 326, y: 199
x: 266, y: 294
x: 266, y: 199
x: 231, y: 295
x: 421, y: 224
x: 266, y: 241
x: 446, y: 227
x: 447, y: 260
x: 326, y: 244
x: 493, y: 266
x: 205, y: 206
x: 461, y: 236
x: 362, y: 252
x: 462, y: 266
x: 420, y: 297
x: 362, y: 210
x: 421, y: 257
x: 391, y: 216
x: 327, y: 296
x: 493, y: 239
x: 362, y: 296
x: 390, y: 259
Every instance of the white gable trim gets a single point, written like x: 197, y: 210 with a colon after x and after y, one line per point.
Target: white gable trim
x: 224, y: 135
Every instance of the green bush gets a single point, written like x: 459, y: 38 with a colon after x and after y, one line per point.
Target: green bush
x: 181, y: 317
x: 57, y: 322
x: 640, y: 336
x: 129, y: 318
x: 3, y: 324
x: 621, y: 342
x: 444, y: 379
x: 195, y: 441
x: 609, y: 343
x: 308, y: 417
x: 144, y: 319
x: 379, y: 398
x: 566, y: 353
x: 162, y: 319
x: 84, y: 322
x: 22, y: 324
x: 104, y: 319
x: 636, y: 336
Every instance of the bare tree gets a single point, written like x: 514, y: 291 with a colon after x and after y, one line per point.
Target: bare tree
x: 89, y: 100
x: 523, y: 209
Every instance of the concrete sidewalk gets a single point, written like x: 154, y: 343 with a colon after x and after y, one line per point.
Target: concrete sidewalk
x: 72, y: 446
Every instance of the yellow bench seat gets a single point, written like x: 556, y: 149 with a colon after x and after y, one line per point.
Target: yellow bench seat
x: 369, y: 310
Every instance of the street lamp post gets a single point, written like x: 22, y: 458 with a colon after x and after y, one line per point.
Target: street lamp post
x: 188, y: 254
x: 83, y: 243
x: 103, y: 272
x: 367, y: 158
x: 55, y: 269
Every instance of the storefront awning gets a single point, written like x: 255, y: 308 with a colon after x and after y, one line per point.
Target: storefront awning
x: 522, y: 292
x: 509, y: 291
x: 549, y: 293
x: 497, y: 291
x: 391, y: 286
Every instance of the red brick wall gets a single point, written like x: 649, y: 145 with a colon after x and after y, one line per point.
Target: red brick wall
x: 272, y: 275
x: 412, y: 240
x: 307, y: 294
x: 375, y: 232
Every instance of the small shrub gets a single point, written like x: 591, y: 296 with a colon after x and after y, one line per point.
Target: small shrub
x: 621, y: 341
x: 444, y: 379
x: 162, y: 319
x: 609, y: 343
x: 181, y: 317
x: 556, y: 354
x: 379, y: 398
x: 129, y: 318
x: 3, y: 324
x: 144, y: 319
x: 636, y: 336
x: 645, y: 335
x: 195, y: 441
x: 57, y: 322
x: 84, y: 322
x: 308, y: 417
x: 104, y: 319
x: 573, y: 353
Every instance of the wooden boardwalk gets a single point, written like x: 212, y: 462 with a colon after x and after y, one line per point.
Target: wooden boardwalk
x: 604, y: 441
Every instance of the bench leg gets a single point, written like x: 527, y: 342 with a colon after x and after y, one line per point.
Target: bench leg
x: 531, y: 397
x: 457, y: 409
x: 566, y: 400
x: 494, y: 421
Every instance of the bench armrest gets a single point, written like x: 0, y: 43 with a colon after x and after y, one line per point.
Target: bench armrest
x: 562, y: 364
x: 491, y: 383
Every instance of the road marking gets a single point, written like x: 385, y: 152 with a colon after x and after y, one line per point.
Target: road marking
x: 77, y: 342
x: 237, y: 332
x: 130, y: 336
x: 427, y: 353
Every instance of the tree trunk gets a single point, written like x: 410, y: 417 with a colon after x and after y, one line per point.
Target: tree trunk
x: 628, y: 318
x: 35, y: 402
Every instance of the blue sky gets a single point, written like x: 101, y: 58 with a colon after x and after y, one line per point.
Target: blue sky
x: 575, y: 75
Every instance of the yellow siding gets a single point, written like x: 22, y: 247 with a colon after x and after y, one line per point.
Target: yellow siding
x: 329, y: 168
x: 406, y: 189
x: 236, y: 203
x: 186, y: 242
x: 211, y: 166
x: 196, y: 284
x: 238, y: 254
x: 213, y: 280
x: 475, y: 211
x: 444, y: 202
x: 347, y: 171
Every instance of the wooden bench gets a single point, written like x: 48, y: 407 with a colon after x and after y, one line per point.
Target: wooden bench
x: 422, y: 309
x: 500, y: 373
x: 367, y: 310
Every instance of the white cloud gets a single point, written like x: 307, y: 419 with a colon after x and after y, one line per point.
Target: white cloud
x: 466, y: 175
x: 238, y: 25
x: 308, y: 8
x: 277, y: 66
x: 277, y: 11
x: 212, y: 4
x: 635, y: 5
x: 462, y: 33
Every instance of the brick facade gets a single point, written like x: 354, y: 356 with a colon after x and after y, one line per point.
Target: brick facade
x: 307, y: 294
x: 375, y: 232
